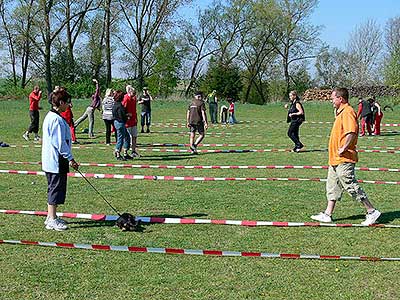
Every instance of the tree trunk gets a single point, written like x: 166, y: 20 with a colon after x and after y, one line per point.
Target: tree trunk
x: 47, y: 52
x: 108, y: 42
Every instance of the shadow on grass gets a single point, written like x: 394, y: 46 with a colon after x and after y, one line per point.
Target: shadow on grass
x: 313, y: 150
x: 386, y: 217
x: 141, y: 228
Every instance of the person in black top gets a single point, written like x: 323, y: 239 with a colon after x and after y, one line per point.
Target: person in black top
x: 365, y: 113
x: 295, y: 117
x: 145, y: 116
x: 120, y: 117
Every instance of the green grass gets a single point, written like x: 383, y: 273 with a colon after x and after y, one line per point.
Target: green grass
x: 31, y: 272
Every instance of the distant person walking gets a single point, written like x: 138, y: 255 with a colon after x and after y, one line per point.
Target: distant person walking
x: 213, y: 106
x: 56, y: 157
x: 34, y: 98
x: 95, y: 104
x: 145, y: 116
x: 342, y: 159
x: 196, y: 120
x: 296, y: 117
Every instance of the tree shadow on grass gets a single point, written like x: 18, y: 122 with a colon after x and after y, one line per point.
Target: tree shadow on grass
x: 386, y: 217
x: 313, y: 150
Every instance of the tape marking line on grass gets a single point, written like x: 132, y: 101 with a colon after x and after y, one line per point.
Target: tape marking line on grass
x: 195, y: 251
x: 187, y: 178
x: 216, y: 150
x: 186, y: 221
x: 288, y: 167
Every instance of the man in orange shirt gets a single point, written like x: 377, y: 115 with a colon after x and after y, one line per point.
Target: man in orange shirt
x: 34, y: 98
x: 342, y: 160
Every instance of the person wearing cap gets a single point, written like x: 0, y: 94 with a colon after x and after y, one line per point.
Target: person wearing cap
x: 145, y: 116
x: 213, y: 106
x: 196, y: 119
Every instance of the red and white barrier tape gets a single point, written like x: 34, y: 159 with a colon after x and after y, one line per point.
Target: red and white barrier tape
x: 196, y: 252
x: 214, y: 150
x: 187, y: 178
x: 286, y: 167
x: 279, y: 122
x: 161, y: 220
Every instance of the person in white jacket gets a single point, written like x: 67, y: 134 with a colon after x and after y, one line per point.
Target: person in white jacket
x: 56, y: 157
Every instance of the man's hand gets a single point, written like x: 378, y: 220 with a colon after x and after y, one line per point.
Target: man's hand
x: 74, y: 164
x: 205, y: 125
x: 341, y: 150
x: 95, y: 80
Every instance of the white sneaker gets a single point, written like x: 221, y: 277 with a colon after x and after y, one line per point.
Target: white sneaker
x: 371, y: 218
x: 60, y: 220
x: 37, y: 138
x: 56, y: 224
x: 25, y: 136
x: 322, y: 217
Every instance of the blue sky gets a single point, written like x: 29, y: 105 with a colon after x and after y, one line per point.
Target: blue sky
x: 339, y: 17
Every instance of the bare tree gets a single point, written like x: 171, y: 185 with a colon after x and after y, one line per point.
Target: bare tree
x: 50, y: 21
x: 297, y: 38
x: 199, y: 45
x: 145, y: 21
x: 10, y: 41
x: 364, y: 49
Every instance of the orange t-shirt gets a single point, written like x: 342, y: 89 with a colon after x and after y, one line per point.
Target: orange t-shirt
x: 345, y: 123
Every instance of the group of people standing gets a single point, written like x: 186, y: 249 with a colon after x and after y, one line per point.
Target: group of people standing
x: 118, y: 112
x: 227, y: 113
x: 370, y: 113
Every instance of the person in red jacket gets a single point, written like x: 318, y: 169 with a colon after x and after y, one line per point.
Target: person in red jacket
x: 69, y: 117
x: 34, y: 98
x: 130, y: 102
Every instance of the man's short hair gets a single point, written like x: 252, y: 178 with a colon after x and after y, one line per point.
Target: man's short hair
x: 198, y: 93
x: 342, y: 92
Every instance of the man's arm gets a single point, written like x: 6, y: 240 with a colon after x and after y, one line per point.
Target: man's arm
x: 204, y: 115
x: 350, y: 137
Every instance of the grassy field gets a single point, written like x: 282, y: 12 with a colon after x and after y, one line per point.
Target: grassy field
x: 31, y: 272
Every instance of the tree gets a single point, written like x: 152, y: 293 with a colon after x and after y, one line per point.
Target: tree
x: 258, y: 52
x: 49, y: 19
x: 197, y: 40
x: 334, y: 68
x: 392, y: 57
x: 225, y: 79
x: 145, y: 22
x: 297, y: 38
x: 364, y: 49
x: 165, y: 72
x: 10, y: 41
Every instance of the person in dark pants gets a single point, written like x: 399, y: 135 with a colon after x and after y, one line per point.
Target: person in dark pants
x: 213, y: 106
x: 107, y: 106
x: 196, y: 120
x: 145, y: 115
x: 57, y: 157
x: 365, y: 113
x: 34, y: 98
x: 295, y: 117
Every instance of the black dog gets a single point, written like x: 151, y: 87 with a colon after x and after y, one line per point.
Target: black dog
x: 127, y: 222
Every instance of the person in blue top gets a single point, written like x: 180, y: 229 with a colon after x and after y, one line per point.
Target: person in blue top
x: 57, y: 157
